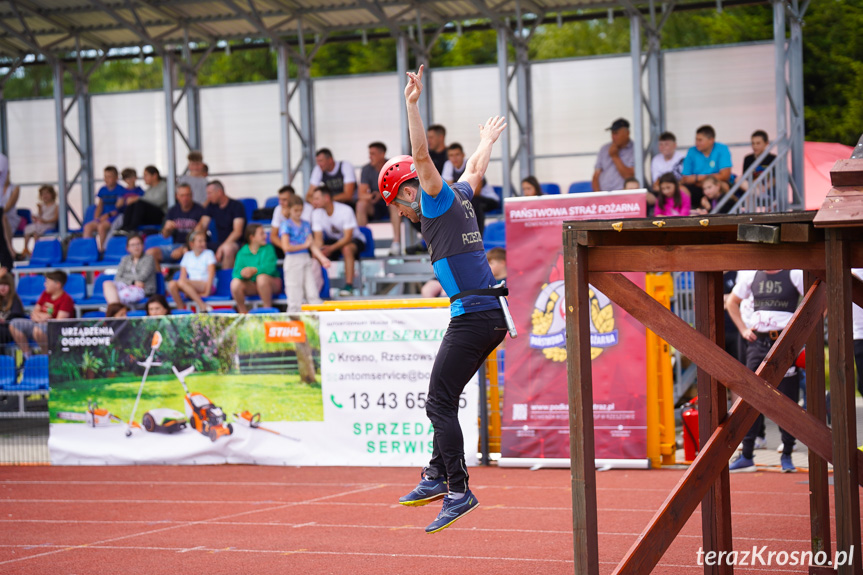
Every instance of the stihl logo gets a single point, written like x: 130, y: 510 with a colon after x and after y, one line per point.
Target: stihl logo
x: 285, y: 331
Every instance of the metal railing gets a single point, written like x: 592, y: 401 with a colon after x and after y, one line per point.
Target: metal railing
x: 763, y: 191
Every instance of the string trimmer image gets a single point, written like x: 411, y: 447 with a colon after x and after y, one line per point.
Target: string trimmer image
x: 253, y: 421
x: 203, y: 416
x: 159, y: 419
x: 95, y: 416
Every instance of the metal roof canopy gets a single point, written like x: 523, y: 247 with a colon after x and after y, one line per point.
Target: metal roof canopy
x: 55, y: 29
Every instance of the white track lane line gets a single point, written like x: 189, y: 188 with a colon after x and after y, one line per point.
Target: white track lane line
x: 200, y: 522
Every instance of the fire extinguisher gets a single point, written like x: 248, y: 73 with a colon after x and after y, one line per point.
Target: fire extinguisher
x: 689, y: 415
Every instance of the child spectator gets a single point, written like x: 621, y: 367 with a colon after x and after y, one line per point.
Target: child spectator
x: 45, y: 219
x: 197, y: 273
x: 116, y: 310
x: 632, y: 184
x: 712, y: 196
x: 255, y: 271
x: 497, y: 262
x: 157, y: 305
x: 530, y: 187
x: 54, y: 303
x: 671, y: 201
x: 107, y: 209
x: 10, y: 306
x: 196, y: 178
x: 295, y: 235
x: 136, y: 275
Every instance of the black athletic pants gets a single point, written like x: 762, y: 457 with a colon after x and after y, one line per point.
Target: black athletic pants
x: 142, y: 213
x: 468, y: 341
x: 756, y: 351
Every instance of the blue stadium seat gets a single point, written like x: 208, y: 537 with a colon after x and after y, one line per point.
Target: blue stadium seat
x: 223, y: 287
x: 271, y: 202
x: 26, y: 218
x: 115, y: 250
x: 369, y: 251
x: 8, y: 375
x: 30, y: 288
x: 97, y: 297
x: 35, y: 376
x: 157, y: 241
x: 251, y: 204
x: 76, y: 287
x: 182, y: 312
x: 82, y: 252
x: 46, y: 253
x: 550, y: 189
x: 136, y: 313
x: 325, y: 289
x: 89, y: 216
x: 160, y: 283
x: 581, y: 187
x: 498, y: 191
x: 224, y: 311
x: 495, y: 235
x: 93, y: 314
x: 265, y: 310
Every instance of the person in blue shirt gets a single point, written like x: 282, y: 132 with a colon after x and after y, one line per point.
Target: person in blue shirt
x: 477, y: 325
x: 107, y: 209
x: 707, y: 158
x: 297, y: 241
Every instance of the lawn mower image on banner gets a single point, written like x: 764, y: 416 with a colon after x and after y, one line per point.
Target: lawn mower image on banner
x: 203, y: 416
x: 160, y: 419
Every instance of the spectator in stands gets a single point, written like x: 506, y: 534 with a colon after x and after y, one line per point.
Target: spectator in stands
x: 712, y: 196
x: 333, y: 225
x: 106, y: 207
x: 707, y: 158
x: 370, y: 204
x: 148, y: 210
x: 255, y: 271
x: 759, y: 141
x: 437, y: 146
x: 181, y: 220
x: 54, y: 303
x: 136, y: 275
x: 485, y: 201
x: 229, y: 217
x: 196, y: 177
x: 282, y: 211
x: 10, y: 306
x: 530, y: 186
x: 668, y: 160
x: 116, y: 310
x: 615, y: 160
x: 9, y: 202
x: 671, y: 201
x: 132, y: 195
x: 632, y: 184
x: 197, y: 273
x: 157, y: 305
x: 497, y: 262
x: 338, y: 178
x: 205, y: 170
x: 45, y: 219
x: 295, y: 235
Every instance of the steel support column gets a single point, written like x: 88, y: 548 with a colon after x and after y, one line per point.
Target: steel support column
x: 781, y: 87
x: 284, y: 112
x: 637, y: 98
x: 795, y: 98
x: 655, y: 90
x: 85, y: 143
x: 503, y: 71
x: 402, y: 70
x: 60, y: 119
x: 193, y: 104
x: 307, y: 116
x: 170, y: 126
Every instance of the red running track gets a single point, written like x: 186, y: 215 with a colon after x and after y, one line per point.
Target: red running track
x: 262, y: 520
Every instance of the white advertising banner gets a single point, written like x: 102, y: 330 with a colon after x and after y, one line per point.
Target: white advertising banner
x: 336, y: 388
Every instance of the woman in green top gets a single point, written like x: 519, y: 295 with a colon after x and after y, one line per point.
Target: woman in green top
x: 255, y: 270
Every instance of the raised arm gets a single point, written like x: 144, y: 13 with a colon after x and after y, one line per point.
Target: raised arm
x: 474, y: 172
x: 430, y: 179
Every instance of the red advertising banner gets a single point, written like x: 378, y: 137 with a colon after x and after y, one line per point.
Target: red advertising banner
x: 536, y: 411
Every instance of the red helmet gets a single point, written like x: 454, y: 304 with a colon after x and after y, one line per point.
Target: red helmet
x: 395, y: 172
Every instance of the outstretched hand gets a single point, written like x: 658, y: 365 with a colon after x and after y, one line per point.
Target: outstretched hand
x: 414, y: 87
x: 492, y: 128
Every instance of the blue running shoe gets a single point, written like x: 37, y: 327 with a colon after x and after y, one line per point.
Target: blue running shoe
x: 452, y: 511
x: 787, y: 464
x: 427, y: 491
x: 741, y: 465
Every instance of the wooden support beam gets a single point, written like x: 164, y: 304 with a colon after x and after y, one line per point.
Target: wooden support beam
x: 713, y: 458
x: 712, y: 408
x: 843, y: 412
x: 847, y: 173
x: 581, y: 437
x: 816, y: 405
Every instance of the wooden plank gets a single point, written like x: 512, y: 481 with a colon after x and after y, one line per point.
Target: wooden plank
x: 841, y: 208
x: 843, y: 412
x: 758, y: 233
x: 652, y: 258
x: 816, y: 405
x: 581, y: 436
x: 795, y: 232
x: 657, y: 237
x: 713, y: 458
x: 693, y: 223
x: 712, y: 409
x: 847, y: 173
